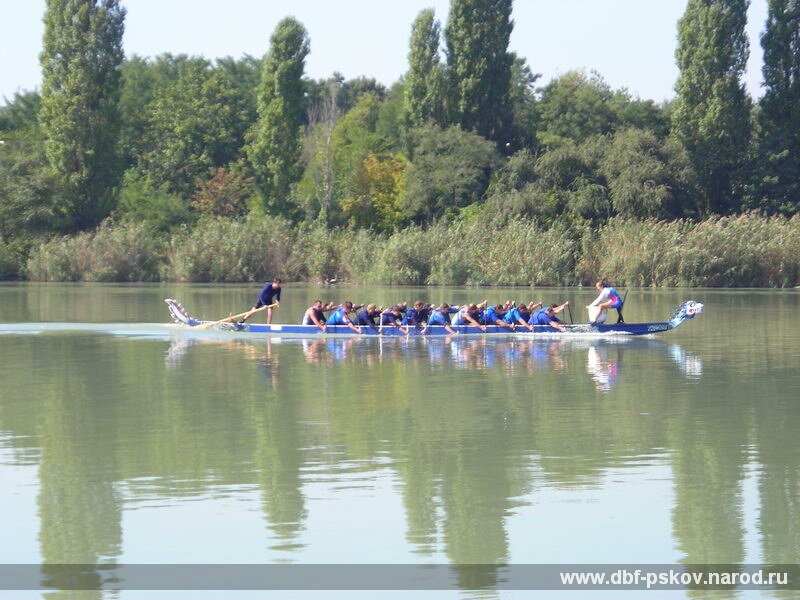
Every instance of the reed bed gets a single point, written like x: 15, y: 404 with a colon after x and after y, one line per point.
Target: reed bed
x: 746, y: 250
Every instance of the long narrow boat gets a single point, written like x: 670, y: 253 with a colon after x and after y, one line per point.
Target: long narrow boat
x: 686, y: 310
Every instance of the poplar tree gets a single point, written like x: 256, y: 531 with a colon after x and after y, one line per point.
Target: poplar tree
x: 479, y: 66
x: 780, y: 108
x: 81, y: 62
x: 712, y: 109
x: 425, y: 80
x: 274, y: 147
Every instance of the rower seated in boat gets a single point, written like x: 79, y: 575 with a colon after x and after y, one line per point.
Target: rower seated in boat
x: 393, y: 317
x: 493, y: 315
x: 341, y: 316
x: 469, y: 315
x: 366, y: 317
x: 520, y: 315
x: 441, y: 316
x: 315, y: 314
x: 547, y: 316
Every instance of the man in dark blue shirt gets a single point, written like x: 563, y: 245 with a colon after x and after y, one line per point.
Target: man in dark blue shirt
x: 270, y: 296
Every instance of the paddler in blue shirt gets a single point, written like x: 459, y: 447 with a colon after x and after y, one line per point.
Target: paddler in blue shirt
x: 270, y: 295
x: 493, y: 315
x: 392, y: 317
x: 441, y: 316
x: 547, y: 316
x: 341, y: 316
x: 366, y: 317
x: 519, y: 315
x: 414, y: 316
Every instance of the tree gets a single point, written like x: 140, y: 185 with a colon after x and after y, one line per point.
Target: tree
x: 316, y: 188
x: 575, y: 107
x: 81, y: 62
x: 194, y: 125
x: 274, y: 147
x: 377, y: 189
x: 425, y: 80
x: 779, y: 143
x: 712, y: 109
x: 647, y: 177
x: 524, y: 113
x: 479, y: 66
x: 450, y: 170
x: 21, y: 113
x: 28, y: 188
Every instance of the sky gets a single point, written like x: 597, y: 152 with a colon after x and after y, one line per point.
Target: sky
x: 630, y: 43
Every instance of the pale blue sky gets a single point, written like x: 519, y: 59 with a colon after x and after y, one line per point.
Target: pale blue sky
x: 631, y: 43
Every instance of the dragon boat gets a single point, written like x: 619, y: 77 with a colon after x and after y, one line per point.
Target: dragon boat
x: 687, y: 310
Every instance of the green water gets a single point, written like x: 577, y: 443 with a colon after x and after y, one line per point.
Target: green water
x: 124, y: 441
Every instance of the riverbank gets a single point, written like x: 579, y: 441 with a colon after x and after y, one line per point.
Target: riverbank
x: 738, y: 251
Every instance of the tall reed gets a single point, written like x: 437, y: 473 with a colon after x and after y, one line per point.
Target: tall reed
x: 126, y: 251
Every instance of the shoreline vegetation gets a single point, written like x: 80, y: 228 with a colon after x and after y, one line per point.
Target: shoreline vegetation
x: 746, y: 250
x: 467, y: 170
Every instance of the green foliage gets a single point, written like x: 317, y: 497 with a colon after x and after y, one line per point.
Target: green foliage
x: 141, y: 201
x: 224, y: 251
x: 21, y: 112
x: 746, y: 250
x: 274, y: 141
x: 479, y: 66
x: 576, y: 107
x: 647, y: 177
x: 28, y: 189
x: 194, y: 124
x: 378, y: 186
x: 450, y: 169
x: 338, y: 151
x: 778, y: 189
x: 80, y: 88
x: 712, y: 109
x: 425, y: 80
x: 122, y: 252
x: 524, y: 112
x: 391, y: 126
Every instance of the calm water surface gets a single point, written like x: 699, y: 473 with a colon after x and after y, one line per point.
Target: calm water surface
x: 123, y: 440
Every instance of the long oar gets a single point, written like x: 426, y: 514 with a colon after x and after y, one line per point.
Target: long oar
x: 244, y: 315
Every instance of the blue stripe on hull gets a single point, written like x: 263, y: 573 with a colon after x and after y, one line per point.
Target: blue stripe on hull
x: 438, y: 330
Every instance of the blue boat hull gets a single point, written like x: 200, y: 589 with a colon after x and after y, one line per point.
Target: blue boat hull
x: 685, y: 311
x: 438, y: 330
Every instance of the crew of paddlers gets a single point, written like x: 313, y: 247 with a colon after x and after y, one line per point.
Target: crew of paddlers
x: 420, y: 315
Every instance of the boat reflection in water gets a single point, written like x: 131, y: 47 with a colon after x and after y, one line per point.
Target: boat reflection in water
x: 602, y: 357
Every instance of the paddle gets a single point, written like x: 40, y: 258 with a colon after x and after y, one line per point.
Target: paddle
x: 569, y: 310
x: 242, y: 316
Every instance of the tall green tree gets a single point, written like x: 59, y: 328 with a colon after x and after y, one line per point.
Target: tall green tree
x: 275, y: 140
x: 780, y: 109
x: 575, y: 107
x: 194, y: 125
x: 479, y: 66
x: 81, y: 62
x: 712, y: 109
x: 425, y: 80
x: 450, y: 170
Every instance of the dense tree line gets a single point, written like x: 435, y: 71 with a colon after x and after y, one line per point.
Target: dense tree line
x: 468, y: 133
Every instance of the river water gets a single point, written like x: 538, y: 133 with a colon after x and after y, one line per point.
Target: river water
x: 125, y: 441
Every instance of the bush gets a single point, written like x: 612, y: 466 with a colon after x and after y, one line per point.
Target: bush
x: 224, y: 251
x: 122, y: 252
